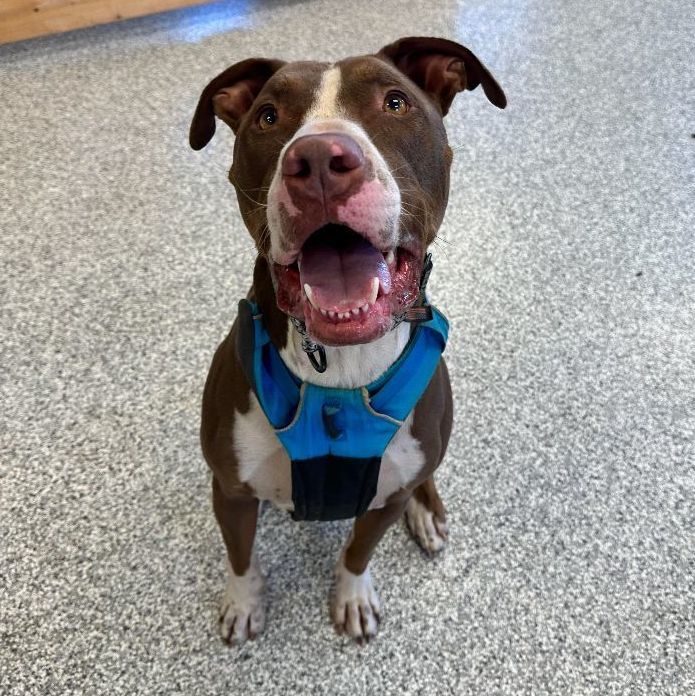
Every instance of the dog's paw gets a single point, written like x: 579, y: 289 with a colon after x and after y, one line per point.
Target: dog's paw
x: 355, y: 607
x: 242, y: 615
x: 429, y: 531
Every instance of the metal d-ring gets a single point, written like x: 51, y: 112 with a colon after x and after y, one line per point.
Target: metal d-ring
x: 320, y: 364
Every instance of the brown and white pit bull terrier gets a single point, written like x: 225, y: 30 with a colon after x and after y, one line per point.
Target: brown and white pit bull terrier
x: 342, y: 177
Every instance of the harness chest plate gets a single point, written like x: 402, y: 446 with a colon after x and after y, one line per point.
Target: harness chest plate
x: 335, y: 438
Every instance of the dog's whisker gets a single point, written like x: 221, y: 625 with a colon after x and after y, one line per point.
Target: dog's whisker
x: 448, y: 242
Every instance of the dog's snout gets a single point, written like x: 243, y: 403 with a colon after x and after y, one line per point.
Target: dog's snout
x: 325, y: 164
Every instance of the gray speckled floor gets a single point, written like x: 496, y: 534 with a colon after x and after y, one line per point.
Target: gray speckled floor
x: 569, y: 277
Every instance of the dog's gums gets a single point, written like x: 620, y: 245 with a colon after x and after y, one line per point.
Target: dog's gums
x: 344, y: 289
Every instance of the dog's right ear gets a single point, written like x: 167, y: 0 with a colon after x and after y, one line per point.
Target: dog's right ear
x: 229, y: 96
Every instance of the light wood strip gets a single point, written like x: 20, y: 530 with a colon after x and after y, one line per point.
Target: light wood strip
x: 25, y: 19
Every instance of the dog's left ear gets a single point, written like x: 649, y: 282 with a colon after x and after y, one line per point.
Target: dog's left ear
x: 442, y: 68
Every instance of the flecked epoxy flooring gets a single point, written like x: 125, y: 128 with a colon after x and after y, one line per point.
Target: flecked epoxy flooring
x: 567, y: 270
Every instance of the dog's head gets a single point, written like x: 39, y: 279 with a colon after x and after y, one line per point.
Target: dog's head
x: 342, y: 174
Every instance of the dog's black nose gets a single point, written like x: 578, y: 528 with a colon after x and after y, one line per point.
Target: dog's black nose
x: 323, y: 165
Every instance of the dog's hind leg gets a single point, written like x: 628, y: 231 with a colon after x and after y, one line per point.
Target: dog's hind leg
x: 426, y: 517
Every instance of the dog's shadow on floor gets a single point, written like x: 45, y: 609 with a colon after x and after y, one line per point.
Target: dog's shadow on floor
x: 298, y: 552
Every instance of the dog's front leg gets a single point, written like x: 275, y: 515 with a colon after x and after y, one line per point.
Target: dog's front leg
x: 242, y: 613
x: 355, y: 606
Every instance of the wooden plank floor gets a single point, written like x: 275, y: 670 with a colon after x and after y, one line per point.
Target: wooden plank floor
x: 25, y: 19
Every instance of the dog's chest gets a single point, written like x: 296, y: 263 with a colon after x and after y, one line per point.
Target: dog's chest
x: 264, y: 464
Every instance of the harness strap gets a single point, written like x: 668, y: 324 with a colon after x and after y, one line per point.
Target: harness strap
x: 397, y: 391
x: 335, y: 438
x: 394, y: 393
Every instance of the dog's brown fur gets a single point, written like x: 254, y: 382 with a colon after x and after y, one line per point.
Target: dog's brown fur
x: 433, y: 70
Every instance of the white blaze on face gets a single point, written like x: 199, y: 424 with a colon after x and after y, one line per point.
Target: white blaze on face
x: 326, y: 102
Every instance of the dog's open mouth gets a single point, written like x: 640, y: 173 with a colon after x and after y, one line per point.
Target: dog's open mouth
x: 345, y: 289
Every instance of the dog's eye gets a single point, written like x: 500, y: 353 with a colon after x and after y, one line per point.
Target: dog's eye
x: 267, y: 117
x: 396, y: 103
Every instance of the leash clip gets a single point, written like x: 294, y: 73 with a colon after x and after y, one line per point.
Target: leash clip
x: 320, y: 364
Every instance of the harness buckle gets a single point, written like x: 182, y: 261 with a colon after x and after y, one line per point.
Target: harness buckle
x: 416, y: 315
x: 423, y: 312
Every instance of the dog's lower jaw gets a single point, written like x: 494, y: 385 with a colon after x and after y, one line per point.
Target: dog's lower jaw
x: 343, y: 325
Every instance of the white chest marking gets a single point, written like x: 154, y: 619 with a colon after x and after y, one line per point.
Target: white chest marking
x: 401, y: 463
x: 262, y: 460
x: 348, y: 366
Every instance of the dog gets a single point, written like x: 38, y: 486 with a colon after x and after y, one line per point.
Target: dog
x: 329, y: 396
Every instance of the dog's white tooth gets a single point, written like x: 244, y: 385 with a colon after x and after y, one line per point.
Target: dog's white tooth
x: 323, y: 311
x: 310, y: 294
x: 355, y: 311
x: 390, y: 257
x: 331, y: 314
x: 365, y: 307
x: 344, y: 315
x: 374, y: 290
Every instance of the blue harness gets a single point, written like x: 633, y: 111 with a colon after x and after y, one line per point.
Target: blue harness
x: 335, y: 438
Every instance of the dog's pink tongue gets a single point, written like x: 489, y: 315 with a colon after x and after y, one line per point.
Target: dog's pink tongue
x: 340, y: 268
